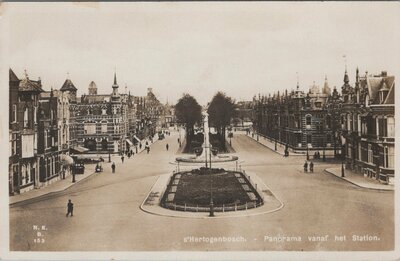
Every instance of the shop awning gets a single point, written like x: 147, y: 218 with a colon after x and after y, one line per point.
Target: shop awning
x: 80, y: 149
x: 136, y: 138
x: 66, y: 159
x: 129, y: 141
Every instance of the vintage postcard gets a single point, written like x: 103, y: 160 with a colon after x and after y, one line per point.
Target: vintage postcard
x: 199, y: 130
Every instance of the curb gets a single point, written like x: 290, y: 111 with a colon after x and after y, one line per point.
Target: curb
x: 355, y: 184
x: 63, y: 189
x: 53, y: 192
x: 276, y: 151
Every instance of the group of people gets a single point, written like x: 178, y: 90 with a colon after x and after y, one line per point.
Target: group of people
x: 308, y: 165
x: 317, y: 155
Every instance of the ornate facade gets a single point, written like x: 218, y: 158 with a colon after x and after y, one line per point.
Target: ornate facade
x: 102, y: 123
x: 299, y: 120
x: 368, y: 125
x: 23, y: 132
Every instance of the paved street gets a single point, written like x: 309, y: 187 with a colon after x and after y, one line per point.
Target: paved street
x: 107, y: 216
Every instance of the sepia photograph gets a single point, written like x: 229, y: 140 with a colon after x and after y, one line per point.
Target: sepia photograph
x: 199, y: 130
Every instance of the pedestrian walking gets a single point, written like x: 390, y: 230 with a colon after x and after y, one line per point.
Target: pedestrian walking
x: 311, y: 166
x: 136, y: 149
x: 122, y: 158
x: 167, y: 146
x: 305, y: 166
x: 148, y: 149
x: 113, y: 167
x: 70, y: 208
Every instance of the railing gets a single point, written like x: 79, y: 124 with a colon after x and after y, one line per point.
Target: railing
x: 217, y: 208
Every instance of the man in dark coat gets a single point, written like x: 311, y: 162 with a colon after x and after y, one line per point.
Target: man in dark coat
x: 113, y: 167
x: 70, y: 208
x: 311, y: 166
x: 305, y: 166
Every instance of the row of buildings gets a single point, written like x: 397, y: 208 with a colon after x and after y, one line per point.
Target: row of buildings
x: 47, y: 127
x: 356, y: 124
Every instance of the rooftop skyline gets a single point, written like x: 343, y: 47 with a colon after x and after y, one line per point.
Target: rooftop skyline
x: 241, y: 49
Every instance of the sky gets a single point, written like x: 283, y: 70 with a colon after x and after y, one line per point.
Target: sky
x: 239, y: 48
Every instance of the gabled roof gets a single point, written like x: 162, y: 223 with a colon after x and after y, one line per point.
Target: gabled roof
x: 374, y: 84
x: 12, y: 76
x: 98, y: 98
x: 390, y: 97
x: 68, y: 86
x: 27, y: 85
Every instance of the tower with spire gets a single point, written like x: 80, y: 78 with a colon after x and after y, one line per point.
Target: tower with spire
x: 326, y: 90
x: 115, y: 97
x: 92, y: 88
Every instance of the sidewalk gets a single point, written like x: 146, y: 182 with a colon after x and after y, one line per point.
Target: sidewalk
x: 63, y: 184
x: 280, y: 148
x: 54, y: 187
x: 359, y: 180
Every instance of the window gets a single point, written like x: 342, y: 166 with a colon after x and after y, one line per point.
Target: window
x: 26, y: 118
x: 308, y: 120
x: 104, y: 127
x: 370, y: 154
x: 389, y: 157
x: 45, y: 139
x: 22, y: 181
x: 328, y: 122
x: 390, y: 127
x: 14, y: 113
x: 90, y: 128
x: 382, y: 123
x: 309, y: 139
x: 35, y: 115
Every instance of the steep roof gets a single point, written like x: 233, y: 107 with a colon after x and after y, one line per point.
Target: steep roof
x: 98, y: 98
x: 374, y: 84
x: 68, y: 86
x: 390, y: 97
x: 27, y: 85
x: 12, y: 76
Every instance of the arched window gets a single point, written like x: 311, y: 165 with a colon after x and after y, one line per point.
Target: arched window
x: 104, y: 127
x: 104, y: 144
x: 308, y: 119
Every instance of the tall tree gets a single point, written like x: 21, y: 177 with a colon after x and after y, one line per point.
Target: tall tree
x: 221, y: 110
x: 188, y: 112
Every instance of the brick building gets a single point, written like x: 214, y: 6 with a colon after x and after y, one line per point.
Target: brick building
x: 368, y: 125
x: 23, y: 132
x: 101, y: 121
x: 299, y: 120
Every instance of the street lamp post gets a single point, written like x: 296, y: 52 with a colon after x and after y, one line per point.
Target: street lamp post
x: 211, y: 197
x: 308, y: 155
x: 342, y: 168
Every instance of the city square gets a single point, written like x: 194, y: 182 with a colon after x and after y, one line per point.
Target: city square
x: 329, y: 206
